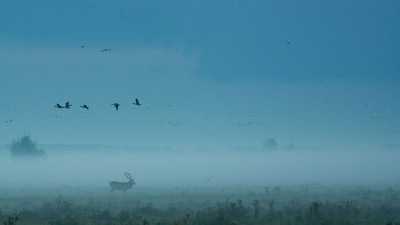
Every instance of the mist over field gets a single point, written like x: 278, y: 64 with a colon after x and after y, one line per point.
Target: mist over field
x: 202, y: 169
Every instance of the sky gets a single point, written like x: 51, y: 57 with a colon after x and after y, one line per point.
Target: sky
x: 209, y: 74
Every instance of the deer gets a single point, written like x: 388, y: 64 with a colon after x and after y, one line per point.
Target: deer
x: 122, y: 186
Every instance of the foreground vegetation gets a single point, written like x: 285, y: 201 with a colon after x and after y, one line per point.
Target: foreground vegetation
x: 297, y: 205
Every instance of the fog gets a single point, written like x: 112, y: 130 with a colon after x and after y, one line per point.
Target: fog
x: 214, y: 81
x: 92, y: 169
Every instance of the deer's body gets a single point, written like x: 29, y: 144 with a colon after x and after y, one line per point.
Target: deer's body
x: 122, y: 186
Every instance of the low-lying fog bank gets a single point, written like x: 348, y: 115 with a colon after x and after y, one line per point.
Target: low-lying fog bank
x: 89, y: 169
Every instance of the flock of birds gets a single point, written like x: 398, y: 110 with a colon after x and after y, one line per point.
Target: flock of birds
x: 67, y: 105
x: 102, y: 50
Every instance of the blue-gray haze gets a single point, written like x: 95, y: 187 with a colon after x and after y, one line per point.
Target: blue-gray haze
x: 212, y: 76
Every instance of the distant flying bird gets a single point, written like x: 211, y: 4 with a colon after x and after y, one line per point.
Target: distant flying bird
x: 58, y: 106
x: 137, y: 102
x: 288, y: 42
x: 105, y: 50
x: 67, y: 105
x: 84, y: 106
x: 116, y: 105
x: 82, y: 46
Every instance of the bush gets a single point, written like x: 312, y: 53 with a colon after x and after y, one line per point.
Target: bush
x: 270, y: 144
x: 26, y: 147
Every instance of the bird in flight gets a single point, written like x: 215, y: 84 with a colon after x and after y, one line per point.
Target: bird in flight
x: 58, y: 106
x: 82, y: 46
x: 288, y: 42
x: 105, y: 50
x: 137, y: 102
x: 67, y: 105
x: 84, y: 106
x: 116, y: 105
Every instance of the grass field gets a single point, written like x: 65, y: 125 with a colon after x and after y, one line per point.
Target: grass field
x: 288, y: 188
x: 297, y: 204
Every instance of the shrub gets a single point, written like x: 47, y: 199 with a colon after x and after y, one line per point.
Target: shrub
x: 270, y: 144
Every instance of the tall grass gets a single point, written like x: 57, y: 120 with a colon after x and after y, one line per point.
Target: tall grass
x: 291, y: 205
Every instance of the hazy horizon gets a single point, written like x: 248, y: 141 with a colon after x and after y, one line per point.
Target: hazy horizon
x: 209, y: 169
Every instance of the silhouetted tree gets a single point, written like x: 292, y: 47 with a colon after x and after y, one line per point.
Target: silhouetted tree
x: 291, y: 146
x: 26, y: 147
x: 270, y: 144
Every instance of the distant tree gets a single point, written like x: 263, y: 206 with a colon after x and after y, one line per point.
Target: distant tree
x: 26, y: 147
x: 291, y: 146
x: 270, y: 144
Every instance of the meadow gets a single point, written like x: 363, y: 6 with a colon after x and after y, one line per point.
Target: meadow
x: 291, y: 204
x: 182, y: 188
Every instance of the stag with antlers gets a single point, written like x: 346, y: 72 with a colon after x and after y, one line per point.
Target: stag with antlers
x: 122, y: 186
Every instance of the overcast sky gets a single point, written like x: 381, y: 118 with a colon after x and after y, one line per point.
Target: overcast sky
x: 209, y: 74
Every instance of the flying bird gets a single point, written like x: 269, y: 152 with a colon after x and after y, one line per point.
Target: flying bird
x: 137, y: 102
x: 58, y: 106
x: 67, y: 105
x: 84, y: 106
x: 105, y: 50
x: 116, y: 105
x: 288, y: 42
x: 82, y: 46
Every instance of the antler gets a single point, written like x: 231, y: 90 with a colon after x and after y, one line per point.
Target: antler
x: 128, y: 175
